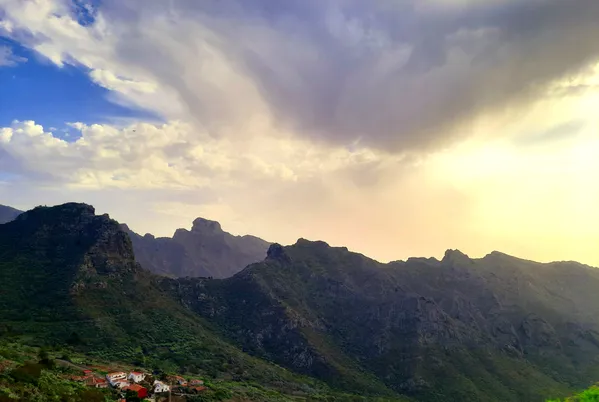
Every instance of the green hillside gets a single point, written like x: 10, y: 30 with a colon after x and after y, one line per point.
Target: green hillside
x: 495, y: 329
x: 588, y: 395
x: 70, y: 280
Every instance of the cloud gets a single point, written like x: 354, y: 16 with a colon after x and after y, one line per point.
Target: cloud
x: 395, y: 75
x: 8, y: 59
x: 167, y: 156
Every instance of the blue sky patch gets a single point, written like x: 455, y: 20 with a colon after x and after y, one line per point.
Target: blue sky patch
x: 52, y: 96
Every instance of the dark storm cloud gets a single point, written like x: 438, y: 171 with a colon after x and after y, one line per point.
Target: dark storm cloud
x: 395, y: 74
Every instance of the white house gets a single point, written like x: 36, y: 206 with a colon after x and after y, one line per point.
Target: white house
x: 120, y: 384
x: 159, y: 387
x: 116, y: 376
x: 136, y: 376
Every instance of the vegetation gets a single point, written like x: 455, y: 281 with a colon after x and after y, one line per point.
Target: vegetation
x: 588, y: 395
x: 31, y: 375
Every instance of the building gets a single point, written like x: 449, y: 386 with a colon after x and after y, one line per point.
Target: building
x: 136, y: 376
x: 96, y: 382
x: 120, y: 384
x: 196, y: 382
x: 159, y: 387
x: 138, y: 389
x: 116, y: 376
x: 179, y: 380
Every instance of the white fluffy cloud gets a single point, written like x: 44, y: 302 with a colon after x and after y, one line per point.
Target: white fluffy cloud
x: 173, y: 155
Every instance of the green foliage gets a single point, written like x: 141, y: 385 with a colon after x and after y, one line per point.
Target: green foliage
x: 31, y: 383
x: 131, y: 396
x: 588, y: 395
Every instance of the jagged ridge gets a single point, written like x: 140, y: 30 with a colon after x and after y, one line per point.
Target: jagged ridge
x: 458, y: 327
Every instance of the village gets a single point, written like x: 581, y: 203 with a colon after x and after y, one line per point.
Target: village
x: 140, y: 385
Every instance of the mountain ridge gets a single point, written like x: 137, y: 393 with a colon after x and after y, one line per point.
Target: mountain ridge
x: 421, y: 327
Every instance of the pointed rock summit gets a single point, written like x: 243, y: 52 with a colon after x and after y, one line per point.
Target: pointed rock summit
x: 455, y: 257
x: 204, y: 251
x: 206, y: 226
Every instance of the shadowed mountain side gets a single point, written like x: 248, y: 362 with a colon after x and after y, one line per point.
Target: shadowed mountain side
x: 205, y: 251
x: 491, y: 329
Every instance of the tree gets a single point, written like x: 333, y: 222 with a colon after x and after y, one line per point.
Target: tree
x: 131, y: 396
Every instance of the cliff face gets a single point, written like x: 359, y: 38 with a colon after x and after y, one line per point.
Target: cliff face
x: 53, y: 260
x: 458, y: 327
x: 204, y: 251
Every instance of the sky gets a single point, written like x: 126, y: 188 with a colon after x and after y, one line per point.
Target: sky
x: 396, y: 128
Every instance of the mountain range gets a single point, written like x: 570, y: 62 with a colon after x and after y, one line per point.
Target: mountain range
x: 492, y: 329
x: 204, y: 251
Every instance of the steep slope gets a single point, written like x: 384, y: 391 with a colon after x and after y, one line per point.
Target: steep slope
x: 7, y: 214
x: 205, y: 251
x: 69, y: 278
x: 494, y: 329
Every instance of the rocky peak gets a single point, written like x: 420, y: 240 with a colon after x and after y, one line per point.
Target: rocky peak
x: 277, y: 252
x: 66, y: 212
x: 316, y: 243
x: 102, y: 242
x: 206, y: 226
x: 452, y: 257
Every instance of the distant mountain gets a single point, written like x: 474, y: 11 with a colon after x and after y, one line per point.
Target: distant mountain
x: 205, y: 251
x: 460, y: 329
x: 7, y: 214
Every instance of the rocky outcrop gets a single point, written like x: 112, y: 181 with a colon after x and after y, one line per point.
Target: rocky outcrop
x: 204, y: 251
